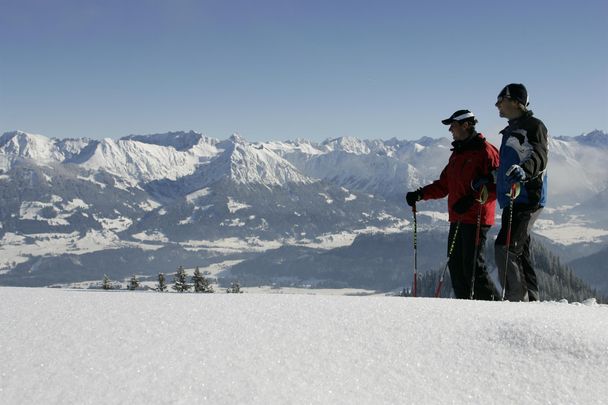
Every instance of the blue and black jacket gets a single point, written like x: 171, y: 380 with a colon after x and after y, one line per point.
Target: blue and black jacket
x: 524, y: 143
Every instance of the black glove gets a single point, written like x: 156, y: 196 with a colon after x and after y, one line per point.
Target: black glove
x: 413, y: 196
x: 461, y: 206
x: 479, y: 182
x: 515, y: 174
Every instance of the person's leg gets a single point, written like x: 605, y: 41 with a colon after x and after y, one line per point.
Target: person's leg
x: 455, y: 262
x: 526, y: 262
x: 484, y: 286
x: 515, y: 288
x: 529, y: 273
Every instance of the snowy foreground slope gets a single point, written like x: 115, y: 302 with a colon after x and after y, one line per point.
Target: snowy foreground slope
x: 67, y: 346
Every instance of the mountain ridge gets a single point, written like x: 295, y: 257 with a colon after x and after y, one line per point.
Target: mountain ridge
x: 186, y: 190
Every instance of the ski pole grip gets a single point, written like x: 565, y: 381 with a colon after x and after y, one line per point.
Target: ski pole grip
x: 483, y: 195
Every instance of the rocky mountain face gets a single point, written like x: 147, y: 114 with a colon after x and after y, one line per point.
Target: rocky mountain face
x: 80, y: 204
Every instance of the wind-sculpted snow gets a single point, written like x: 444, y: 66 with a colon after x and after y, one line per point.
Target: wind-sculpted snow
x: 73, y: 347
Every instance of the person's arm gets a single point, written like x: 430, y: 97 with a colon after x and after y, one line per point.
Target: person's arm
x: 537, y: 162
x: 491, y: 168
x: 438, y: 188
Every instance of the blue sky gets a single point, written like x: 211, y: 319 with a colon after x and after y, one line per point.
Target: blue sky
x: 287, y: 69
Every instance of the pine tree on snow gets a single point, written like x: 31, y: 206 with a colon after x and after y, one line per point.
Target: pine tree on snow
x: 427, y: 283
x: 162, y: 285
x: 235, y: 288
x: 133, y: 283
x: 201, y: 283
x: 556, y: 280
x: 180, y: 283
x: 106, y: 284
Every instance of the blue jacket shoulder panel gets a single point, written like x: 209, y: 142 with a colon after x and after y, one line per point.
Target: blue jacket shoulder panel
x: 524, y: 143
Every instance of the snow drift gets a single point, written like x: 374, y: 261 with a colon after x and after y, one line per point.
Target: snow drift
x: 68, y: 346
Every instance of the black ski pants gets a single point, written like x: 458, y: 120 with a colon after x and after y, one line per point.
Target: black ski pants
x: 462, y: 262
x: 529, y: 273
x: 521, y: 284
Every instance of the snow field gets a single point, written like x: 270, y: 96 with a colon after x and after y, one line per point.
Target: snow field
x: 69, y: 346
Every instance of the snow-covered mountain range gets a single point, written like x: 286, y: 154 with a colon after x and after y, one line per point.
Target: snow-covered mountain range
x: 185, y: 197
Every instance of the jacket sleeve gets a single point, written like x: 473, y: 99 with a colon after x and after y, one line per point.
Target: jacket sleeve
x: 492, y: 163
x: 438, y: 188
x: 537, y: 162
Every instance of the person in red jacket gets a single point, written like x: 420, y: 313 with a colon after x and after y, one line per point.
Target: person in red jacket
x: 469, y: 171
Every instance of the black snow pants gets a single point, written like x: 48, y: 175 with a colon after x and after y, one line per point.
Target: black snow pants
x: 461, y: 262
x: 521, y: 284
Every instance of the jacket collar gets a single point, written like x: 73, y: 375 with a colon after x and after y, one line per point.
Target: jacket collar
x: 527, y: 114
x: 475, y: 141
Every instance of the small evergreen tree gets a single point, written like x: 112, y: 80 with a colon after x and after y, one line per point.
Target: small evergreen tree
x: 179, y: 282
x: 556, y: 280
x: 201, y: 284
x: 133, y: 283
x: 235, y: 288
x: 106, y: 284
x: 162, y: 285
x: 427, y: 284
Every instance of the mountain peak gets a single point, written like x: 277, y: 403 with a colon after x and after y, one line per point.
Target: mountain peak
x: 179, y: 140
x: 347, y: 144
x: 237, y: 138
x: 8, y: 136
x: 31, y: 146
x: 245, y: 163
x: 136, y: 161
x: 426, y: 141
x: 595, y: 138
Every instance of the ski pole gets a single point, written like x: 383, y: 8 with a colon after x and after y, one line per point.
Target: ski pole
x: 438, y: 290
x: 415, y: 251
x: 514, y: 192
x: 483, y: 197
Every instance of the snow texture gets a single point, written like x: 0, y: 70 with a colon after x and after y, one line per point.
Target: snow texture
x: 135, y: 161
x: 79, y: 347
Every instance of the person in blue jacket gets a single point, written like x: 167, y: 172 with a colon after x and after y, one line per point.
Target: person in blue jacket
x: 523, y: 167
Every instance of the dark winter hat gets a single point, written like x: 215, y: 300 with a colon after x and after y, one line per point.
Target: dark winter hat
x: 514, y: 91
x: 460, y: 116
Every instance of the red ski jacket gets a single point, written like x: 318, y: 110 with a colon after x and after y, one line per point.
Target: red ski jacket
x: 470, y: 160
